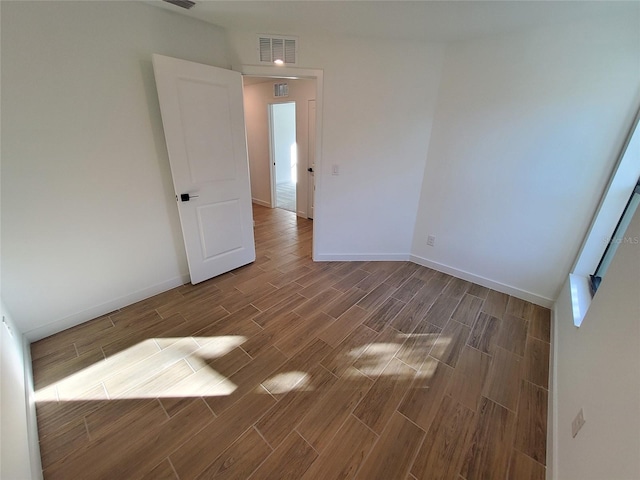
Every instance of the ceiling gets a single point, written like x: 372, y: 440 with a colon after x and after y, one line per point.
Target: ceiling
x: 439, y: 21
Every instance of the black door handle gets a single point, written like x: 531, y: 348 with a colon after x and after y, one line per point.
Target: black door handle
x: 310, y: 169
x: 185, y: 197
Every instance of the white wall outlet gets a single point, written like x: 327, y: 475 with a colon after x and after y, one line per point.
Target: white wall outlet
x: 577, y: 423
x: 431, y: 240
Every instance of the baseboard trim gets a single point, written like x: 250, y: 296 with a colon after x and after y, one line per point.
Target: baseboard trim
x: 104, y: 308
x: 349, y: 257
x: 552, y: 421
x: 485, y: 282
x: 261, y: 202
x: 32, y: 420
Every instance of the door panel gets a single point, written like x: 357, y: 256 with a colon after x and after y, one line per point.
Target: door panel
x: 203, y: 119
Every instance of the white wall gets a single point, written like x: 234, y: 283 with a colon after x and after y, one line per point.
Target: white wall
x: 379, y: 98
x: 597, y: 369
x: 257, y: 97
x: 284, y: 136
x: 15, y: 459
x: 527, y: 130
x: 88, y: 208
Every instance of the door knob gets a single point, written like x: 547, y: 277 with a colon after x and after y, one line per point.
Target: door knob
x: 310, y: 169
x: 185, y: 197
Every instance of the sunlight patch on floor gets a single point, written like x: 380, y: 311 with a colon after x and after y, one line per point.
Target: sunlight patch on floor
x: 155, y: 367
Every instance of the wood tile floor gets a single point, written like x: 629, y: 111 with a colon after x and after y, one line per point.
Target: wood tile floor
x: 289, y: 369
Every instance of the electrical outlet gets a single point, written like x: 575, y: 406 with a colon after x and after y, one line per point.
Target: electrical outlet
x: 431, y: 240
x: 577, y: 423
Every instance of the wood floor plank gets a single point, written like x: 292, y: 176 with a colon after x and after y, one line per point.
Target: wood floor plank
x: 327, y: 416
x: 162, y: 471
x: 523, y: 467
x: 295, y: 372
x: 469, y: 377
x: 289, y: 461
x: 67, y: 439
x: 484, y: 333
x: 402, y: 274
x: 408, y: 289
x: 445, y: 445
x: 421, y: 402
x: 248, y: 378
x: 456, y: 288
x: 532, y: 422
x: 417, y: 346
x: 276, y: 330
x: 374, y: 357
x: 478, y: 291
x: 343, y: 326
x: 450, y: 342
x: 222, y: 358
x: 138, y: 373
x: 161, y: 442
x: 342, y: 357
x: 489, y: 453
x: 376, y: 297
x: 441, y: 310
x: 412, y: 314
x: 536, y: 362
x: 202, y: 449
x: 239, y: 460
x: 385, y: 395
x: 540, y: 324
x: 304, y: 332
x: 290, y: 410
x: 384, y: 314
x: 495, y: 304
x: 317, y: 303
x: 345, y: 455
x: 351, y: 280
x: 392, y: 455
x: 512, y: 334
x: 502, y: 385
x: 467, y: 310
x: 344, y: 302
x: 101, y: 457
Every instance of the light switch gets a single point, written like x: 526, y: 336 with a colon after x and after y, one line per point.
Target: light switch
x: 335, y: 170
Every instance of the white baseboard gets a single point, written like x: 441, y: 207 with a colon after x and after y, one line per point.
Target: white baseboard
x: 485, y: 282
x: 32, y: 420
x: 349, y: 257
x: 261, y: 202
x: 552, y: 415
x: 104, y: 308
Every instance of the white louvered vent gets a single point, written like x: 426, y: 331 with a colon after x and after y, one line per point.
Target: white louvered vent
x: 272, y: 48
x: 280, y: 90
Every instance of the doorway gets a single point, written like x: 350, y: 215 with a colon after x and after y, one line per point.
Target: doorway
x: 284, y: 154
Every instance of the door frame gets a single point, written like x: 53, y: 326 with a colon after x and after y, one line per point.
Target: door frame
x: 272, y: 154
x: 300, y: 73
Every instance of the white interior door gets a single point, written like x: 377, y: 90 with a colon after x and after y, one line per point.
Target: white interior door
x: 311, y: 158
x: 203, y: 119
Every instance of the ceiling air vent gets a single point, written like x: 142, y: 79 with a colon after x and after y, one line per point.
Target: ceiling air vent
x: 277, y: 49
x: 181, y: 3
x: 280, y: 90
